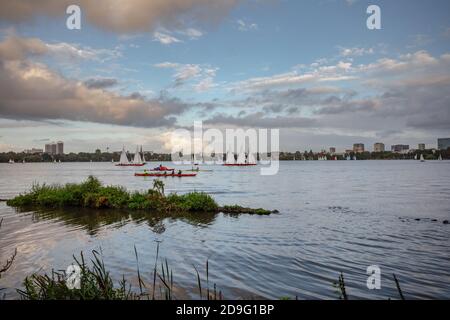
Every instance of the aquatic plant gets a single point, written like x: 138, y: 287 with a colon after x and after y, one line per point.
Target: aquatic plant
x: 4, y: 266
x: 97, y: 284
x: 92, y: 194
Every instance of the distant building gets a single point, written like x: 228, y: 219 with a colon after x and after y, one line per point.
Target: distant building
x: 358, y: 147
x: 378, y: 147
x: 400, y: 148
x: 33, y: 151
x: 48, y: 148
x: 332, y: 150
x: 348, y: 151
x: 60, y: 148
x: 55, y: 148
x: 443, y: 143
x: 421, y: 146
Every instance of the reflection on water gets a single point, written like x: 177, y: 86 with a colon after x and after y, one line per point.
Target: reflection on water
x: 334, y: 216
x: 93, y: 220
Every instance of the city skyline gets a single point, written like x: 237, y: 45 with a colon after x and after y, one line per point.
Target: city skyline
x: 310, y: 68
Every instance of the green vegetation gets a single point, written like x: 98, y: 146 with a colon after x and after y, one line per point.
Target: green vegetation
x: 96, y: 283
x: 92, y: 194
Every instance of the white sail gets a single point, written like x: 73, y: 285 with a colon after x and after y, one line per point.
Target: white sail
x: 440, y: 157
x: 415, y: 157
x: 241, y: 158
x: 230, y: 158
x: 251, y: 158
x: 123, y: 157
x: 422, y: 159
x: 137, y: 157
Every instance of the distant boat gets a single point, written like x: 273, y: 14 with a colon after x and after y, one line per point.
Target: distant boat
x: 354, y: 158
x: 415, y: 157
x: 440, y: 157
x: 124, y: 162
x: 23, y: 161
x: 54, y: 161
x: 241, y: 161
x: 348, y: 158
x: 422, y: 158
x: 11, y: 161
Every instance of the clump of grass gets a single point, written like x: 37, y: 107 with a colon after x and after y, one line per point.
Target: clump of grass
x: 92, y: 194
x: 238, y: 209
x: 95, y: 284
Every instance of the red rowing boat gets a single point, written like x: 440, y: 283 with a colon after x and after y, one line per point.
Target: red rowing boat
x: 165, y: 175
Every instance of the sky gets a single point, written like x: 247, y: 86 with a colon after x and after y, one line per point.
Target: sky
x: 139, y: 69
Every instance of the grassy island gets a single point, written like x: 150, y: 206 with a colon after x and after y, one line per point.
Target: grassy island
x: 92, y: 194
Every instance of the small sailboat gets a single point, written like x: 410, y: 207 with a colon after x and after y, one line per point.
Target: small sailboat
x: 124, y: 162
x: 143, y: 157
x: 230, y: 159
x: 422, y: 159
x: 440, y: 157
x: 354, y: 158
x: 348, y: 158
x: 416, y: 157
x: 11, y: 161
x: 242, y: 161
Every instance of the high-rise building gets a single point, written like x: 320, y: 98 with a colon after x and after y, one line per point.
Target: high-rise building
x: 60, y: 148
x: 443, y: 143
x: 358, y: 147
x: 48, y: 148
x: 378, y: 147
x: 421, y: 146
x: 55, y: 148
x: 400, y: 148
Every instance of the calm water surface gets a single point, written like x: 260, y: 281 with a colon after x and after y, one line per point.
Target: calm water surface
x: 334, y: 216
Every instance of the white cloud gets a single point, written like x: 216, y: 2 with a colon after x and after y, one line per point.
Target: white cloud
x: 355, y: 51
x: 165, y: 38
x: 246, y: 26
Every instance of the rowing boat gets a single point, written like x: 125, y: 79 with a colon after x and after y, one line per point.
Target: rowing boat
x: 165, y: 175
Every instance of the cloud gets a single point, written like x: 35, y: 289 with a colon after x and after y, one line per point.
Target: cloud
x: 124, y: 17
x: 100, y: 83
x: 258, y: 120
x: 164, y: 38
x: 30, y: 90
x: 203, y: 76
x: 355, y: 51
x: 246, y: 26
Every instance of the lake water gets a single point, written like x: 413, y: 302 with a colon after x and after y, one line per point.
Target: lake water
x: 335, y: 216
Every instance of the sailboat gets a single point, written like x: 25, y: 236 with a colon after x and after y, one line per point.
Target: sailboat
x: 440, y: 157
x: 348, y: 158
x: 251, y: 160
x: 124, y: 162
x: 143, y: 157
x: 241, y: 160
x: 11, y: 161
x: 354, y: 158
x: 415, y: 157
x: 422, y: 159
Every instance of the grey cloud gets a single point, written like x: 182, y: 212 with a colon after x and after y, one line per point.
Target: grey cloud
x: 123, y: 17
x: 100, y: 83
x: 258, y: 120
x: 31, y: 91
